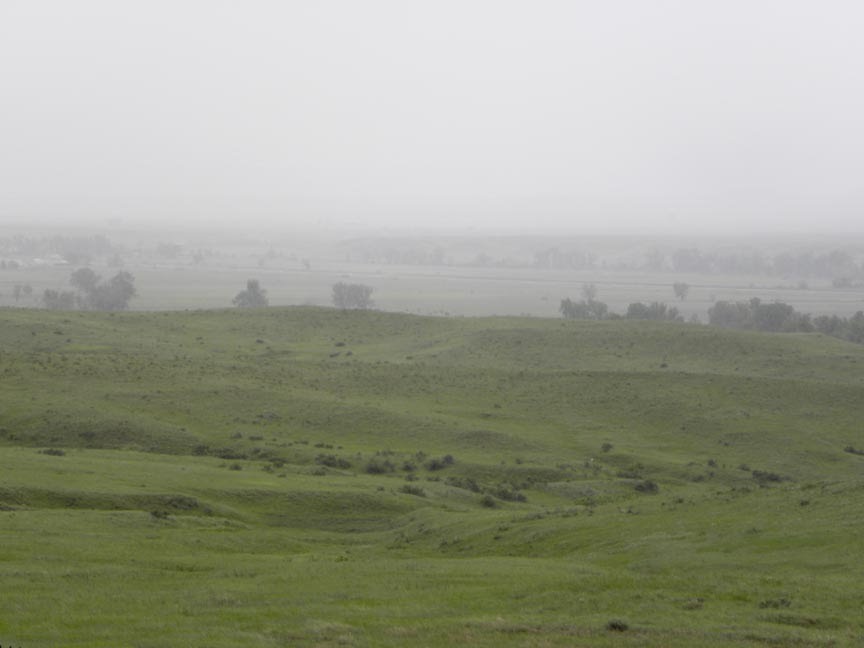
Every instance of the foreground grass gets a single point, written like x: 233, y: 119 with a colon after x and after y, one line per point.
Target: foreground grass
x: 278, y: 478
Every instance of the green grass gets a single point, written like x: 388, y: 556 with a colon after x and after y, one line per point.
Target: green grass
x: 266, y: 478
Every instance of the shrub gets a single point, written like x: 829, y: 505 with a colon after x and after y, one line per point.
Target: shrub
x: 488, y: 501
x: 774, y: 604
x: 648, y: 487
x: 439, y: 463
x: 228, y: 453
x: 408, y: 489
x: 764, y: 477
x: 617, y: 625
x: 508, y: 494
x: 606, y: 447
x: 464, y: 482
x: 332, y: 461
x: 379, y: 466
x: 54, y: 452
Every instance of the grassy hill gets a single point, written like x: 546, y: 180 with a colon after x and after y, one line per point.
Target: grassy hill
x: 307, y: 477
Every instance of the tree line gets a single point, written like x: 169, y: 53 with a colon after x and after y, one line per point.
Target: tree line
x: 589, y: 307
x: 345, y: 296
x: 752, y: 315
x: 779, y: 317
x: 92, y: 292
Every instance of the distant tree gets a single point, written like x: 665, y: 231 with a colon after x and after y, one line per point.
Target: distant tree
x: 111, y: 295
x: 588, y: 308
x: 352, y: 296
x: 253, y: 297
x: 584, y: 309
x: 681, y: 289
x: 58, y: 300
x: 21, y: 290
x: 653, y: 311
x: 84, y: 280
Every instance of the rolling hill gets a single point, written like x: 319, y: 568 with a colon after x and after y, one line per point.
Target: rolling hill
x: 310, y: 477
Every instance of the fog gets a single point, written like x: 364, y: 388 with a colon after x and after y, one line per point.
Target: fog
x: 621, y: 116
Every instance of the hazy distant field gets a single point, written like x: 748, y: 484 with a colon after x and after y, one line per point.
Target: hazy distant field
x: 465, y: 291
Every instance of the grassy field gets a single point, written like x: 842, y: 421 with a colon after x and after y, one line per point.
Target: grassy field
x: 307, y: 477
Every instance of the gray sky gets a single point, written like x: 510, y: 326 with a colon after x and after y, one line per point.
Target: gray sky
x: 601, y: 115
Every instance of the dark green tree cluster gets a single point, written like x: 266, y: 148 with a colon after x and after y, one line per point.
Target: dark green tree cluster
x: 352, y: 296
x: 93, y: 293
x: 657, y: 311
x: 253, y: 297
x: 756, y: 315
x: 590, y: 308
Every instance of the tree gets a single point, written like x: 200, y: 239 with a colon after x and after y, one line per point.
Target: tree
x: 113, y: 295
x: 588, y: 308
x: 57, y: 300
x: 352, y: 296
x: 93, y: 293
x: 681, y: 289
x: 253, y: 297
x: 585, y: 309
x: 653, y: 311
x: 84, y: 280
x: 20, y: 291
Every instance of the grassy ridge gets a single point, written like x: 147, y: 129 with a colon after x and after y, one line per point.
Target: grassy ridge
x: 303, y: 476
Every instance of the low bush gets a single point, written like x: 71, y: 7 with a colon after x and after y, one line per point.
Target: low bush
x: 332, y: 461
x: 774, y: 604
x: 408, y: 489
x: 377, y: 466
x: 439, y: 463
x: 464, y: 482
x: 647, y: 486
x: 508, y: 494
x: 765, y: 477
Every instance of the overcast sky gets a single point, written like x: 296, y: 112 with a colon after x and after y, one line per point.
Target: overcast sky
x: 588, y: 115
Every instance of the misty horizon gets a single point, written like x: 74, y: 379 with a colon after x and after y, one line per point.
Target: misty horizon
x: 573, y: 117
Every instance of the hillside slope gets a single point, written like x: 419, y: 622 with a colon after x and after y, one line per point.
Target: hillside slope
x: 305, y: 476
